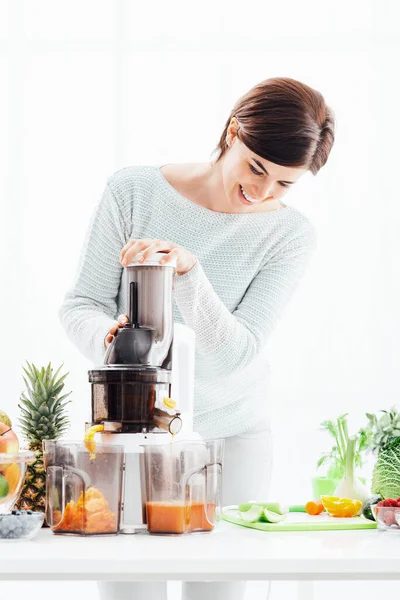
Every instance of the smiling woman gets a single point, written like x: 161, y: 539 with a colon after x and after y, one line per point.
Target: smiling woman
x: 275, y: 133
x: 283, y: 121
x: 240, y: 253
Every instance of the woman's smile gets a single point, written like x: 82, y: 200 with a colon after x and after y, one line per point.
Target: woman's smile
x: 246, y: 198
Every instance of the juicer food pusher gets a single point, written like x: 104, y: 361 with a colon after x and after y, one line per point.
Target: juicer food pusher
x: 144, y: 391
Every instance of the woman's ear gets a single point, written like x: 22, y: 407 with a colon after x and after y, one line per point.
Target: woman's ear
x: 231, y: 132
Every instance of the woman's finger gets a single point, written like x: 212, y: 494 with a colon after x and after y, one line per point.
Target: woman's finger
x: 134, y: 249
x: 125, y: 248
x: 170, y: 256
x: 158, y: 246
x: 114, y: 328
x: 122, y: 319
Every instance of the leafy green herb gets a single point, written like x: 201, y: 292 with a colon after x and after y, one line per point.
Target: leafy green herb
x: 336, y: 458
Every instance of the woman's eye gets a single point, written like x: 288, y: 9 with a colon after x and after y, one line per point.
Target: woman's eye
x: 253, y: 170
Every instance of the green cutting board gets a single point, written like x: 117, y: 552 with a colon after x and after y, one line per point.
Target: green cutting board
x: 301, y: 522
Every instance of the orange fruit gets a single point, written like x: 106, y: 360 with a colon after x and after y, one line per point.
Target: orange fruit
x: 13, y: 476
x: 89, y: 439
x: 341, y: 507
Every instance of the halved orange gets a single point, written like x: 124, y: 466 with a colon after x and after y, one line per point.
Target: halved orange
x: 341, y: 507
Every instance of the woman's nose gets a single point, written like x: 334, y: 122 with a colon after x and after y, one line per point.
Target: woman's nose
x: 262, y: 192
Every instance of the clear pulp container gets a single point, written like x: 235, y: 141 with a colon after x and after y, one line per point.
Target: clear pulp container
x: 182, y: 486
x: 83, y: 487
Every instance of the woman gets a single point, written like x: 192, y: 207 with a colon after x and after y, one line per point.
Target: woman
x: 240, y: 253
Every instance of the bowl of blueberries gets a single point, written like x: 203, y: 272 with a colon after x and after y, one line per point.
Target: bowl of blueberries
x: 20, y: 524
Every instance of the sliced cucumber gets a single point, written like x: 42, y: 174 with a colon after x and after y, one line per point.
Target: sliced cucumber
x: 253, y: 514
x: 276, y: 507
x: 272, y: 517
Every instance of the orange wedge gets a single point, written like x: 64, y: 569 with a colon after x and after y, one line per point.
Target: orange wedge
x: 89, y: 439
x: 341, y: 507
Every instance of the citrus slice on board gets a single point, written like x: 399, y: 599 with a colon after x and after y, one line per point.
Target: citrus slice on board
x: 341, y: 507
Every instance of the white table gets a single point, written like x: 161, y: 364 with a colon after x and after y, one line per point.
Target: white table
x: 230, y: 553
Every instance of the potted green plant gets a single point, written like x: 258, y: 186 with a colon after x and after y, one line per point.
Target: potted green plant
x: 335, y: 459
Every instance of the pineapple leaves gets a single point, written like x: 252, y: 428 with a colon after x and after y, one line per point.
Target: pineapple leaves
x: 43, y: 412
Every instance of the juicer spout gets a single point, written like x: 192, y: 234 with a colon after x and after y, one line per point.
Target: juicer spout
x: 168, y: 422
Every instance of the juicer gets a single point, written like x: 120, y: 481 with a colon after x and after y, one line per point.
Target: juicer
x: 143, y: 394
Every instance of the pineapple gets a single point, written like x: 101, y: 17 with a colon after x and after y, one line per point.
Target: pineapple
x: 43, y: 417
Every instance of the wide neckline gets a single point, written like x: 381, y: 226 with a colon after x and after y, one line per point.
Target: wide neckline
x: 204, y: 210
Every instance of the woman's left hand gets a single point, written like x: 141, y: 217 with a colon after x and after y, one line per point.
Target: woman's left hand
x: 184, y: 259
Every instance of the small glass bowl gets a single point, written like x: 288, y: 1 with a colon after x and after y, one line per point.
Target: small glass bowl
x: 12, y: 476
x: 23, y: 525
x: 387, y: 517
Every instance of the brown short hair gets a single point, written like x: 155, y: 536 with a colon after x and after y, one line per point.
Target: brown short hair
x: 285, y: 122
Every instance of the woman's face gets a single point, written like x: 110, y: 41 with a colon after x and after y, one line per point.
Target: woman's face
x: 251, y: 182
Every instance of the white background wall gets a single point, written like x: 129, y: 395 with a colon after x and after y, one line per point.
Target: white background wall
x: 91, y: 86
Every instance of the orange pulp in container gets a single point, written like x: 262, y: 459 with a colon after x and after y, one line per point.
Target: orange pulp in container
x: 176, y: 517
x: 90, y: 514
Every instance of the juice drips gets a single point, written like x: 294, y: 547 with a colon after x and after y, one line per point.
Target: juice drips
x: 88, y: 440
x: 177, y: 517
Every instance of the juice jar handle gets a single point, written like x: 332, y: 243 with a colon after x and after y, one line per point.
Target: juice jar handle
x: 213, y: 492
x: 54, y: 496
x: 64, y: 483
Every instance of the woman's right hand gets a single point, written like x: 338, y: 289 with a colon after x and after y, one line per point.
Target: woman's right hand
x: 122, y: 319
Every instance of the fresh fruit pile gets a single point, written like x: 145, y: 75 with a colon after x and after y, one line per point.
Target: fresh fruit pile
x: 386, y: 511
x: 20, y: 524
x: 10, y: 474
x: 389, y: 502
x: 10, y: 479
x: 8, y: 439
x: 90, y: 514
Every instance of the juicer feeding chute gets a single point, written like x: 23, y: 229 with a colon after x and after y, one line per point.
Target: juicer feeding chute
x: 132, y: 344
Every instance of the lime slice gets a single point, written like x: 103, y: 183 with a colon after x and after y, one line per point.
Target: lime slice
x: 252, y: 515
x: 4, y: 487
x: 272, y: 517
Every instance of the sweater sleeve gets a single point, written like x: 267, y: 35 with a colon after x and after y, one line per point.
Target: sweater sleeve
x: 89, y: 307
x: 232, y: 340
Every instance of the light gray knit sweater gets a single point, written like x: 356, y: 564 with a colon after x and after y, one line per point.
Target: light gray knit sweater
x: 248, y: 267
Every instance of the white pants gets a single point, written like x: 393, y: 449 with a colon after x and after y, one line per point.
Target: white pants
x: 246, y: 476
